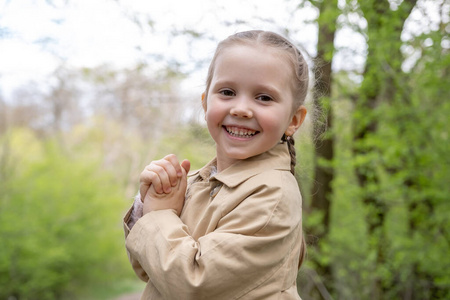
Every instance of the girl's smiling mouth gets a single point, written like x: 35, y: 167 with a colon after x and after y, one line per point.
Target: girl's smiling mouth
x: 240, y: 132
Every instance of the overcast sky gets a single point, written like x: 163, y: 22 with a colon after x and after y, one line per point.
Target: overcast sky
x: 36, y: 37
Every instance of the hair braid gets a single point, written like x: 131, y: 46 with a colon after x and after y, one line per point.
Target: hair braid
x: 291, y: 147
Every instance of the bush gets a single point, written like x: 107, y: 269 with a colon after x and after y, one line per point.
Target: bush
x: 59, y: 221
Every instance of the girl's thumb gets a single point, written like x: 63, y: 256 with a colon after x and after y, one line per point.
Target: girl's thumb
x: 186, y: 164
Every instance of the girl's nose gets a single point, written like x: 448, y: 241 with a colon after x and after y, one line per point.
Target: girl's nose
x: 241, y: 109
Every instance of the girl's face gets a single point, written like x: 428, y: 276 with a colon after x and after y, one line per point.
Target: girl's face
x: 249, y: 102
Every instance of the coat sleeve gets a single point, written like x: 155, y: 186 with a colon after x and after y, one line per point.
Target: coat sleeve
x: 127, y: 223
x: 250, y: 245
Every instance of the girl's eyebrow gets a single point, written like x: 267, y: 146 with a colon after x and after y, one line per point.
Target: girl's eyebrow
x: 223, y: 83
x: 271, y: 89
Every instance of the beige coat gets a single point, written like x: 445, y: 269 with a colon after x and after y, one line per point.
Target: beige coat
x: 238, y: 236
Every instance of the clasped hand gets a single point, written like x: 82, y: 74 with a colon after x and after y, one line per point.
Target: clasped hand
x: 163, y: 184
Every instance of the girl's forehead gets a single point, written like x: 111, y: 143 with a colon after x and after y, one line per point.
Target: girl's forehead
x: 258, y: 58
x: 255, y: 53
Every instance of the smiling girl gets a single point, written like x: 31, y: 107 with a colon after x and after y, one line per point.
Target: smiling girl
x: 233, y: 229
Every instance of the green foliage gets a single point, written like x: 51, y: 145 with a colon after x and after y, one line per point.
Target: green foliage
x: 389, y: 236
x: 191, y: 142
x: 389, y: 220
x: 59, y: 221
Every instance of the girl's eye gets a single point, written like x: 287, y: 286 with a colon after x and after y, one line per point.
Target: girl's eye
x: 227, y: 93
x: 264, y: 98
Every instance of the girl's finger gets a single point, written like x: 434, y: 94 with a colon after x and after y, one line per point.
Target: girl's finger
x: 172, y: 158
x: 186, y: 165
x: 147, y: 178
x: 163, y: 176
x: 170, y: 166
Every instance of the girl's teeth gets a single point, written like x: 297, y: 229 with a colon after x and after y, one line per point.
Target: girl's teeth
x: 239, y: 132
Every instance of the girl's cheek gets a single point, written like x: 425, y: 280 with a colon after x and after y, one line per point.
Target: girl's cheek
x: 209, y: 117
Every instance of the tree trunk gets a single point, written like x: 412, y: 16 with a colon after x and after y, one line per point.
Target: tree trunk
x: 323, y: 174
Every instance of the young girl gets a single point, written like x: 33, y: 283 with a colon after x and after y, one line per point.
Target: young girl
x: 233, y: 230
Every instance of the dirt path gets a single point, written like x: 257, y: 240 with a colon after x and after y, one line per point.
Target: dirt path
x: 134, y: 296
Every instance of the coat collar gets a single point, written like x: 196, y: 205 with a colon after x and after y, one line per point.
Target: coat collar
x: 277, y: 158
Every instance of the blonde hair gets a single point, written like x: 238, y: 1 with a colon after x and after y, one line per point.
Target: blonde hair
x: 270, y: 39
x: 300, y: 80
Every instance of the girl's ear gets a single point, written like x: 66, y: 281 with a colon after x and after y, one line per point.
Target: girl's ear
x: 204, y: 101
x: 296, y: 121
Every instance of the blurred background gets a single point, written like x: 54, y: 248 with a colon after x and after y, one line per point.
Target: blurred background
x: 92, y: 91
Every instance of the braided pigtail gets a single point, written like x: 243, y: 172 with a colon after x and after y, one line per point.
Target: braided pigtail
x: 291, y: 147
